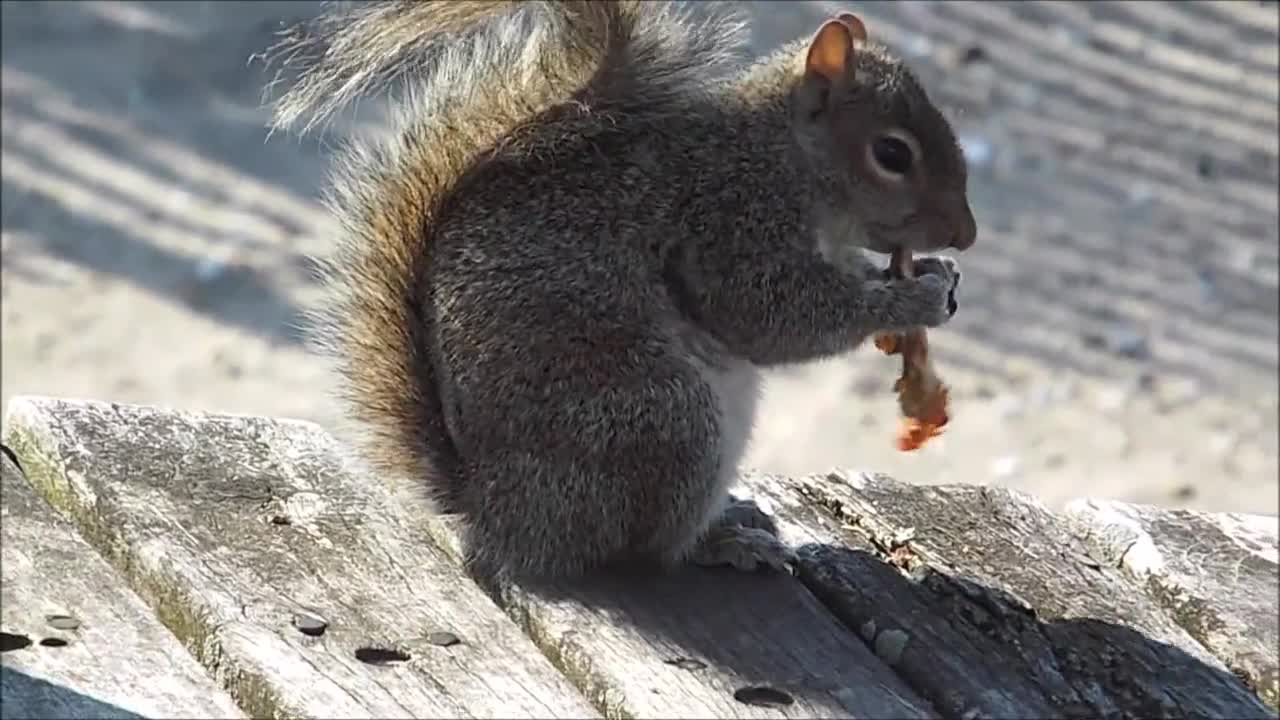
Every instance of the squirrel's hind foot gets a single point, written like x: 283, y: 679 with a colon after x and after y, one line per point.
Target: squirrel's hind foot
x: 744, y: 548
x: 745, y: 512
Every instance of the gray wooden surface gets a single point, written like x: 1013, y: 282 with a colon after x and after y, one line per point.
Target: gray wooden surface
x: 690, y: 645
x: 306, y: 590
x: 77, y: 642
x: 1215, y: 573
x: 235, y: 526
x: 989, y: 606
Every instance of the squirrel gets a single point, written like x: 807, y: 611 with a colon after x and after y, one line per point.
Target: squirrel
x: 590, y: 230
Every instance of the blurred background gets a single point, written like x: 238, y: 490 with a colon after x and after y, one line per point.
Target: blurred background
x: 1118, y: 326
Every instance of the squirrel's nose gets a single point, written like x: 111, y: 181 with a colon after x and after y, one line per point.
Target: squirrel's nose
x: 966, y: 232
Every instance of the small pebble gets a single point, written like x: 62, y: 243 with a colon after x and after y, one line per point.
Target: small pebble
x: 685, y: 663
x: 443, y: 638
x: 62, y: 622
x: 309, y: 624
x: 890, y: 645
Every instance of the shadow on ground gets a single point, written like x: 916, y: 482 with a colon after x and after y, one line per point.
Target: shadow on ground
x: 38, y: 699
x: 970, y: 649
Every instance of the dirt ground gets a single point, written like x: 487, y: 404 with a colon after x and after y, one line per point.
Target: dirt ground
x: 1118, y: 326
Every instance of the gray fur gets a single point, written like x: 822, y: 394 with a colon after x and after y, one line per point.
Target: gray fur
x: 557, y: 281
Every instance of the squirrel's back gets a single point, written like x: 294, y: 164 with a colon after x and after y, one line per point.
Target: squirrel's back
x: 474, y: 77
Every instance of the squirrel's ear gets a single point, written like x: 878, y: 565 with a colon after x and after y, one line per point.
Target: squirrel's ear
x: 831, y: 50
x: 857, y: 30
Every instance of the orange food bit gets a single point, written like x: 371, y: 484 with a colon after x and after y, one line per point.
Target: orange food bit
x: 922, y: 396
x: 916, y: 431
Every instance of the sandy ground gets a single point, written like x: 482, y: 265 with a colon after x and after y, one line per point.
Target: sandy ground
x: 1118, y: 329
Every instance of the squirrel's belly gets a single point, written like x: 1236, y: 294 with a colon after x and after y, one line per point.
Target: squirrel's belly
x: 737, y: 391
x: 736, y: 385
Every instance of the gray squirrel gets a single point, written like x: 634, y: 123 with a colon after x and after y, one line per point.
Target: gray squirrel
x: 560, y: 275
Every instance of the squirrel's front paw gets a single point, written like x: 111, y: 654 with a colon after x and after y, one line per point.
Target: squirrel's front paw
x: 744, y: 548
x: 938, y: 278
x: 943, y: 267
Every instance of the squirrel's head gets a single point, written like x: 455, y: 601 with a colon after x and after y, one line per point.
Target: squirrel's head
x: 893, y: 167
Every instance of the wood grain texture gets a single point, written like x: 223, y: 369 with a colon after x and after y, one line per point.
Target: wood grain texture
x: 240, y: 530
x: 1216, y: 573
x: 77, y: 642
x: 688, y: 644
x: 989, y: 607
x: 307, y: 591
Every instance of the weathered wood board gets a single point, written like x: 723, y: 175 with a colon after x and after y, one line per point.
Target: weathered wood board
x: 76, y: 641
x: 196, y: 501
x: 1216, y: 573
x: 307, y: 590
x: 697, y: 643
x: 703, y: 643
x: 988, y: 606
x: 296, y: 583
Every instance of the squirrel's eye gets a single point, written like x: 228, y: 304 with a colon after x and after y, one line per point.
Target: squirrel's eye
x: 892, y: 155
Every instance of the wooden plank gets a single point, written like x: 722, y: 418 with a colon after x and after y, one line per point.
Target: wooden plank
x: 77, y: 642
x: 294, y: 580
x: 1215, y: 572
x: 697, y: 643
x: 989, y: 606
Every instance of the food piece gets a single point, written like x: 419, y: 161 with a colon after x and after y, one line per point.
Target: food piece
x: 922, y: 396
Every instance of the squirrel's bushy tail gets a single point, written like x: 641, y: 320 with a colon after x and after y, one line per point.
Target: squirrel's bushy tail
x: 447, y: 49
x: 469, y: 72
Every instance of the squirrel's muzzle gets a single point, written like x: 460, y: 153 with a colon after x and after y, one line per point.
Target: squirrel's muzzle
x: 964, y: 228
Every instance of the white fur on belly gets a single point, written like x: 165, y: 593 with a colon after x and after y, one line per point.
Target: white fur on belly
x: 737, y: 386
